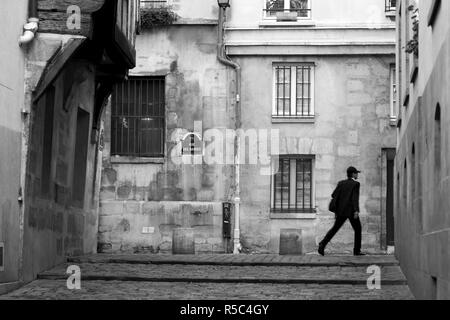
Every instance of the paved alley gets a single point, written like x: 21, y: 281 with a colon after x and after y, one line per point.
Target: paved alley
x: 222, y: 277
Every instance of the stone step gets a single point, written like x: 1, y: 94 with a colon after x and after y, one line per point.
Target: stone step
x: 390, y: 275
x: 240, y: 260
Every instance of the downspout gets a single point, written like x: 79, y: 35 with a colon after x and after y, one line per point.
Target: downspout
x: 224, y: 59
x: 31, y: 27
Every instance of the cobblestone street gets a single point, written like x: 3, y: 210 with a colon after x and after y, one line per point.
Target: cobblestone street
x: 223, y: 277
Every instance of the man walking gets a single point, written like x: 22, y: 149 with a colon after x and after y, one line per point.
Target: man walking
x: 346, y: 200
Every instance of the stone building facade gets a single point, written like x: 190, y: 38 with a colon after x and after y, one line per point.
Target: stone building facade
x: 423, y: 158
x: 61, y: 67
x: 317, y: 76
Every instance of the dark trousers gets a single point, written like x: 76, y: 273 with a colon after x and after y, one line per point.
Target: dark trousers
x: 356, y: 224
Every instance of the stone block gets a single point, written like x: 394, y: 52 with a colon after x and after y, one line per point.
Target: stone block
x: 111, y: 208
x: 183, y: 241
x: 291, y: 242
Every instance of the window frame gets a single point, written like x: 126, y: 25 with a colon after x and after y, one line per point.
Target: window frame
x: 293, y: 93
x: 280, y: 212
x: 140, y: 157
x: 287, y: 8
x: 393, y: 93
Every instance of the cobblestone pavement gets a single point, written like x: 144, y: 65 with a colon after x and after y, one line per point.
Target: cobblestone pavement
x: 195, y: 273
x: 263, y: 277
x: 113, y: 290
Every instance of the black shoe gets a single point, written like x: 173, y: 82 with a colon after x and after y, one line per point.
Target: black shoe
x: 321, y: 250
x: 359, y: 253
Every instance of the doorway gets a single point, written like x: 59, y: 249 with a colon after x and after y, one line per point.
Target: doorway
x: 390, y: 227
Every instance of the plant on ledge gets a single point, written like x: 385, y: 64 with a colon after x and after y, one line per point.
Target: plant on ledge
x: 413, y: 45
x: 152, y: 17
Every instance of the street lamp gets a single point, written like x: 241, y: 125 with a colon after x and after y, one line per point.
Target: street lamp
x: 223, y: 3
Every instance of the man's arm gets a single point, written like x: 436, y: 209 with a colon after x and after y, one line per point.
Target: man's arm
x: 355, y: 199
x: 335, y: 192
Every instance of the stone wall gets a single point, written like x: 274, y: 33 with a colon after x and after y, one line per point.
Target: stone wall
x: 164, y: 194
x: 55, y: 225
x: 12, y: 59
x: 351, y: 127
x: 423, y: 186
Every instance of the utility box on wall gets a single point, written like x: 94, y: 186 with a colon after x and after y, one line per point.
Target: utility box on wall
x: 226, y: 211
x: 2, y: 252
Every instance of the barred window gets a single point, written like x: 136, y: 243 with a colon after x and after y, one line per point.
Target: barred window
x: 391, y: 5
x: 292, y: 185
x: 301, y: 7
x: 154, y: 4
x: 293, y: 90
x: 137, y: 117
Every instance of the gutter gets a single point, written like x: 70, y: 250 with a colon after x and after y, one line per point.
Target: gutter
x: 225, y: 60
x: 32, y: 26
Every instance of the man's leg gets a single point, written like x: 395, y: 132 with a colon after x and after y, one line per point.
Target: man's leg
x: 337, y: 225
x: 356, y: 224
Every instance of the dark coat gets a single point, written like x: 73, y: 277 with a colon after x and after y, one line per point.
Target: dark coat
x: 347, y: 198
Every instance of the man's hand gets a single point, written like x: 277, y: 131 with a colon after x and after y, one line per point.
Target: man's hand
x: 356, y: 215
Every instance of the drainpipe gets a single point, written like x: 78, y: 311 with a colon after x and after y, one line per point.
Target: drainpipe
x: 31, y: 27
x: 224, y: 59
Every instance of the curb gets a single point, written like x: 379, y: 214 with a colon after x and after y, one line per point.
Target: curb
x: 221, y: 280
x: 237, y: 264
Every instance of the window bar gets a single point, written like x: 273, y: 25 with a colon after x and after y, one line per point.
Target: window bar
x: 114, y: 117
x: 275, y: 191
x: 121, y: 124
x: 149, y: 136
x: 303, y: 177
x: 162, y: 114
x: 310, y: 184
x: 281, y: 185
x: 128, y: 114
x: 276, y: 93
x: 303, y: 90
x: 284, y: 91
x: 139, y: 113
x: 296, y: 181
x: 309, y: 91
x: 289, y: 180
x: 136, y: 106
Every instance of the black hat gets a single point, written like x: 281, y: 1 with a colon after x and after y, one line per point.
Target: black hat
x: 352, y: 170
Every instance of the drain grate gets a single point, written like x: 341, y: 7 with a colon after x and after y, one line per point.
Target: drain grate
x: 2, y: 246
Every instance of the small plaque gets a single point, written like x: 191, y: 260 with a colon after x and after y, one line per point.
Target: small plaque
x: 192, y: 145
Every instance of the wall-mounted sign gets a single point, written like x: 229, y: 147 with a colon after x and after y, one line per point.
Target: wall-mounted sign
x: 192, y: 145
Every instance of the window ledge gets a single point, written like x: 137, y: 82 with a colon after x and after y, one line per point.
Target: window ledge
x: 293, y: 216
x: 136, y: 160
x: 391, y: 14
x: 277, y: 24
x: 293, y: 119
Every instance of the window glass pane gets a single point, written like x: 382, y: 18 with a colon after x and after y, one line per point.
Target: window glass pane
x: 301, y: 6
x: 303, y: 90
x: 274, y: 6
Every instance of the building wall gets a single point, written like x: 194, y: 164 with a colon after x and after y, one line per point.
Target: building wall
x: 165, y: 194
x: 55, y: 225
x: 422, y: 202
x: 352, y: 45
x: 351, y: 127
x: 12, y: 17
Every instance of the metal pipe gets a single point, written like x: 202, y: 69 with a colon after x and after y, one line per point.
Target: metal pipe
x: 224, y: 59
x: 32, y: 26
